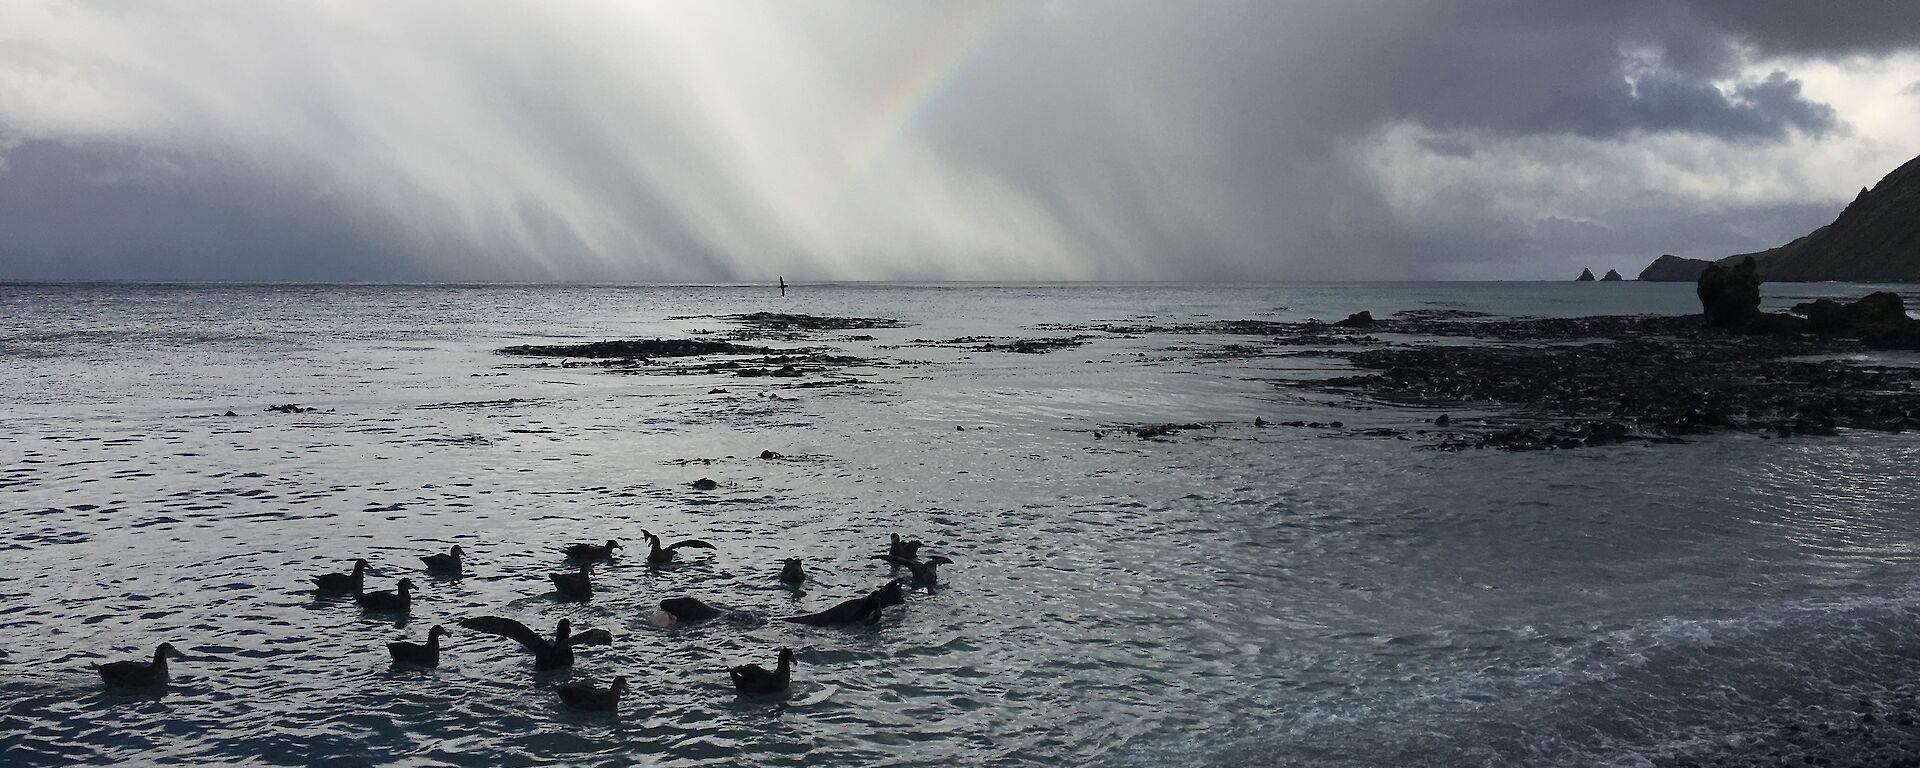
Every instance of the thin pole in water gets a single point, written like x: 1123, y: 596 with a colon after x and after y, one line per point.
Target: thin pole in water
x: 783, y: 286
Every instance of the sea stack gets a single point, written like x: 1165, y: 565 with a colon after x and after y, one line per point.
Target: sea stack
x: 1586, y: 276
x: 1612, y: 276
x: 1729, y: 295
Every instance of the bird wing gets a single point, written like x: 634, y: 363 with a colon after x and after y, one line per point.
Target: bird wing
x: 693, y: 544
x: 591, y: 637
x: 507, y: 628
x: 912, y: 565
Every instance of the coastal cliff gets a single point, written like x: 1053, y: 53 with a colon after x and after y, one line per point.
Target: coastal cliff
x: 1875, y: 239
x: 1673, y: 269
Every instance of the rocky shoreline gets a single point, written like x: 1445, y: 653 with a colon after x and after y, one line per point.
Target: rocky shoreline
x: 1522, y: 384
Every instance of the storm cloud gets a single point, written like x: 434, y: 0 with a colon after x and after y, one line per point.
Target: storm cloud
x: 1072, y: 139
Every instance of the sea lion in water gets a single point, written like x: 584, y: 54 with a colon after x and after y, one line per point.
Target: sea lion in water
x: 862, y: 610
x: 675, y: 611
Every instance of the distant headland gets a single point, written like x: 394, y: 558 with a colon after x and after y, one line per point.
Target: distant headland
x: 1876, y: 239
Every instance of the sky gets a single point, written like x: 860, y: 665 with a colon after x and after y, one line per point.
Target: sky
x: 646, y: 140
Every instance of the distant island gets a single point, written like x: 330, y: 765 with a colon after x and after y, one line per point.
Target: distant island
x: 1876, y: 239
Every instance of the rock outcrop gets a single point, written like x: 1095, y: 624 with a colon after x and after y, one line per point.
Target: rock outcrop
x: 1879, y: 318
x: 1612, y: 276
x: 1361, y: 319
x: 1729, y: 295
x: 1586, y: 276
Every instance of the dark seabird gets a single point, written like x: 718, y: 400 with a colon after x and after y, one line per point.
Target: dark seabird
x: 546, y: 655
x: 577, y: 584
x: 791, y: 572
x: 925, y: 574
x: 139, y: 674
x: 592, y: 551
x: 400, y: 600
x: 426, y: 655
x: 859, y: 610
x: 588, y: 698
x: 907, y: 548
x: 659, y: 555
x: 446, y: 563
x: 753, y: 678
x: 344, y: 582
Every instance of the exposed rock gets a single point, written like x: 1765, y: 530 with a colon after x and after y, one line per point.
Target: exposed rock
x: 1038, y: 346
x: 1361, y: 319
x: 769, y: 455
x: 1650, y: 379
x: 1154, y: 431
x: 1874, y: 311
x: 288, y: 408
x: 1880, y: 318
x: 778, y: 321
x: 703, y: 484
x: 1673, y: 269
x: 1586, y: 276
x: 1729, y: 296
x: 1612, y: 276
x: 637, y: 348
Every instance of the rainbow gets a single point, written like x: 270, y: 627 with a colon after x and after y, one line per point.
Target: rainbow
x: 968, y: 33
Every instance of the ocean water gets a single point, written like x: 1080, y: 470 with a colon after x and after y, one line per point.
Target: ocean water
x: 1232, y: 596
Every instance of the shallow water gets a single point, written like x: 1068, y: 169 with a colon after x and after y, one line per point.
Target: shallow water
x: 1230, y: 596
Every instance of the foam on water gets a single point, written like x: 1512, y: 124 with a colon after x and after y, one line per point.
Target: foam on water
x: 1229, y: 596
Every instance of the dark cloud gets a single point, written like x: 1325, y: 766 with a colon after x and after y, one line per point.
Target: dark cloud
x: 918, y: 139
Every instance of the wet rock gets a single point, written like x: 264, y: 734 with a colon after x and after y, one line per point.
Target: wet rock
x: 716, y: 391
x: 636, y: 348
x: 1038, y: 346
x: 703, y: 484
x: 779, y: 321
x: 1880, y: 318
x: 769, y: 455
x: 288, y: 408
x: 1259, y: 422
x: 1729, y: 296
x: 1156, y: 431
x: 1361, y: 319
x: 1649, y: 379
